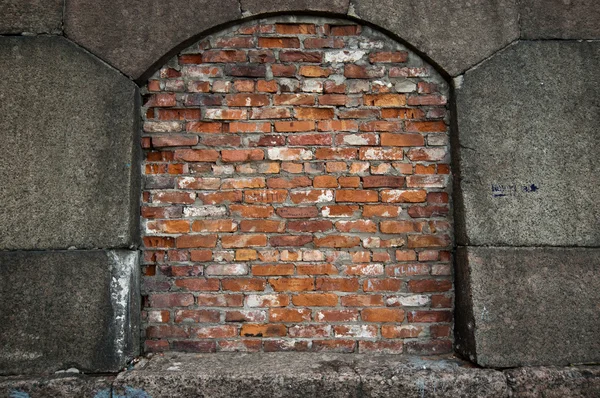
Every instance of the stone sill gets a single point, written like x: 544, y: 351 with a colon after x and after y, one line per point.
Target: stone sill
x: 311, y: 375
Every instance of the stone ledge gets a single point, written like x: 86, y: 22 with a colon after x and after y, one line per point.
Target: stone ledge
x: 314, y: 374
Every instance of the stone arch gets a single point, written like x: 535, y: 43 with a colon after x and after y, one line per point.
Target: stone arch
x: 133, y: 37
x: 297, y: 193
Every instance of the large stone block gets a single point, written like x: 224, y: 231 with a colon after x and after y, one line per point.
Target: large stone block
x: 528, y: 147
x: 528, y: 306
x: 31, y: 16
x: 454, y: 34
x: 554, y: 382
x: 66, y: 385
x: 134, y: 35
x: 70, y: 141
x: 560, y: 19
x: 324, y: 375
x: 251, y: 7
x: 68, y: 309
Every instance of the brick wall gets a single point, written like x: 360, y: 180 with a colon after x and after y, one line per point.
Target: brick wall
x: 297, y: 194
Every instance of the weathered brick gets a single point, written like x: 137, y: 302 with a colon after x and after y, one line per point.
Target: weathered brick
x: 277, y: 205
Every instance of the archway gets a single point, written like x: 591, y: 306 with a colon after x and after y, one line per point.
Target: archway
x: 296, y: 194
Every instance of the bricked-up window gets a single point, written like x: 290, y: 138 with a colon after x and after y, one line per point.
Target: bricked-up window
x: 296, y: 194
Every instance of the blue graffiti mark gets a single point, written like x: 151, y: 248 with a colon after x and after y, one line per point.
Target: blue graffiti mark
x: 505, y: 190
x: 131, y: 392
x: 18, y: 394
x: 103, y: 393
x: 530, y: 188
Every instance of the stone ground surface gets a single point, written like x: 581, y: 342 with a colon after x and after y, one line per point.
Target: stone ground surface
x: 311, y: 375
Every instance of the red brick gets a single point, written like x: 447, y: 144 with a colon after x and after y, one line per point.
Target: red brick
x: 300, y: 56
x: 279, y: 42
x: 418, y: 241
x: 388, y: 56
x: 297, y: 212
x: 242, y: 155
x: 339, y: 210
x: 247, y: 100
x: 429, y: 316
x: 316, y: 269
x: 273, y: 270
x: 212, y: 198
x: 198, y: 285
x: 346, y: 346
x: 248, y: 240
x: 382, y: 285
x: 243, y: 285
x: 310, y: 139
x: 220, y: 300
x: 270, y: 113
x: 171, y: 300
x: 196, y: 155
x: 350, y: 195
x: 289, y: 315
x: 337, y: 284
x: 429, y: 285
x: 295, y: 29
x: 384, y: 100
x: 356, y: 226
x: 290, y: 240
x: 292, y: 284
x: 283, y: 70
x: 285, y: 183
x: 262, y: 226
x: 382, y: 315
x: 344, y: 30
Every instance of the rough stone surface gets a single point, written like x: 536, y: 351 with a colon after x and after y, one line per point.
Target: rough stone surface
x: 528, y: 147
x: 530, y: 306
x: 454, y: 34
x: 132, y: 36
x: 31, y: 16
x: 68, y: 309
x: 64, y: 386
x: 560, y: 19
x: 421, y: 377
x: 69, y: 126
x: 546, y: 382
x: 304, y: 375
x: 251, y: 7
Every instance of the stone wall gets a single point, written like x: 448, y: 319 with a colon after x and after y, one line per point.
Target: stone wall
x: 523, y: 149
x: 296, y: 194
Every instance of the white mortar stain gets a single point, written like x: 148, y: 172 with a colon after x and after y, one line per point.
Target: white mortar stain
x: 344, y: 56
x: 123, y: 267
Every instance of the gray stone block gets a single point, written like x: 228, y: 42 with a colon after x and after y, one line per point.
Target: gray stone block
x: 552, y: 382
x: 133, y: 36
x: 68, y: 385
x: 31, y: 16
x: 253, y: 7
x: 275, y: 375
x: 560, y: 19
x: 241, y: 375
x: 70, y: 137
x: 454, y: 34
x: 528, y: 147
x: 527, y: 306
x: 68, y: 309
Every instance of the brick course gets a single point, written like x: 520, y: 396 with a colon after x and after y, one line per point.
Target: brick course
x: 297, y: 194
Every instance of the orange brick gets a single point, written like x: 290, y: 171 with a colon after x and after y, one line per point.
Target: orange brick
x: 382, y: 315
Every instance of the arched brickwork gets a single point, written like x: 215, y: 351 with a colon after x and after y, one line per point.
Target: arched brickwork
x: 296, y: 194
